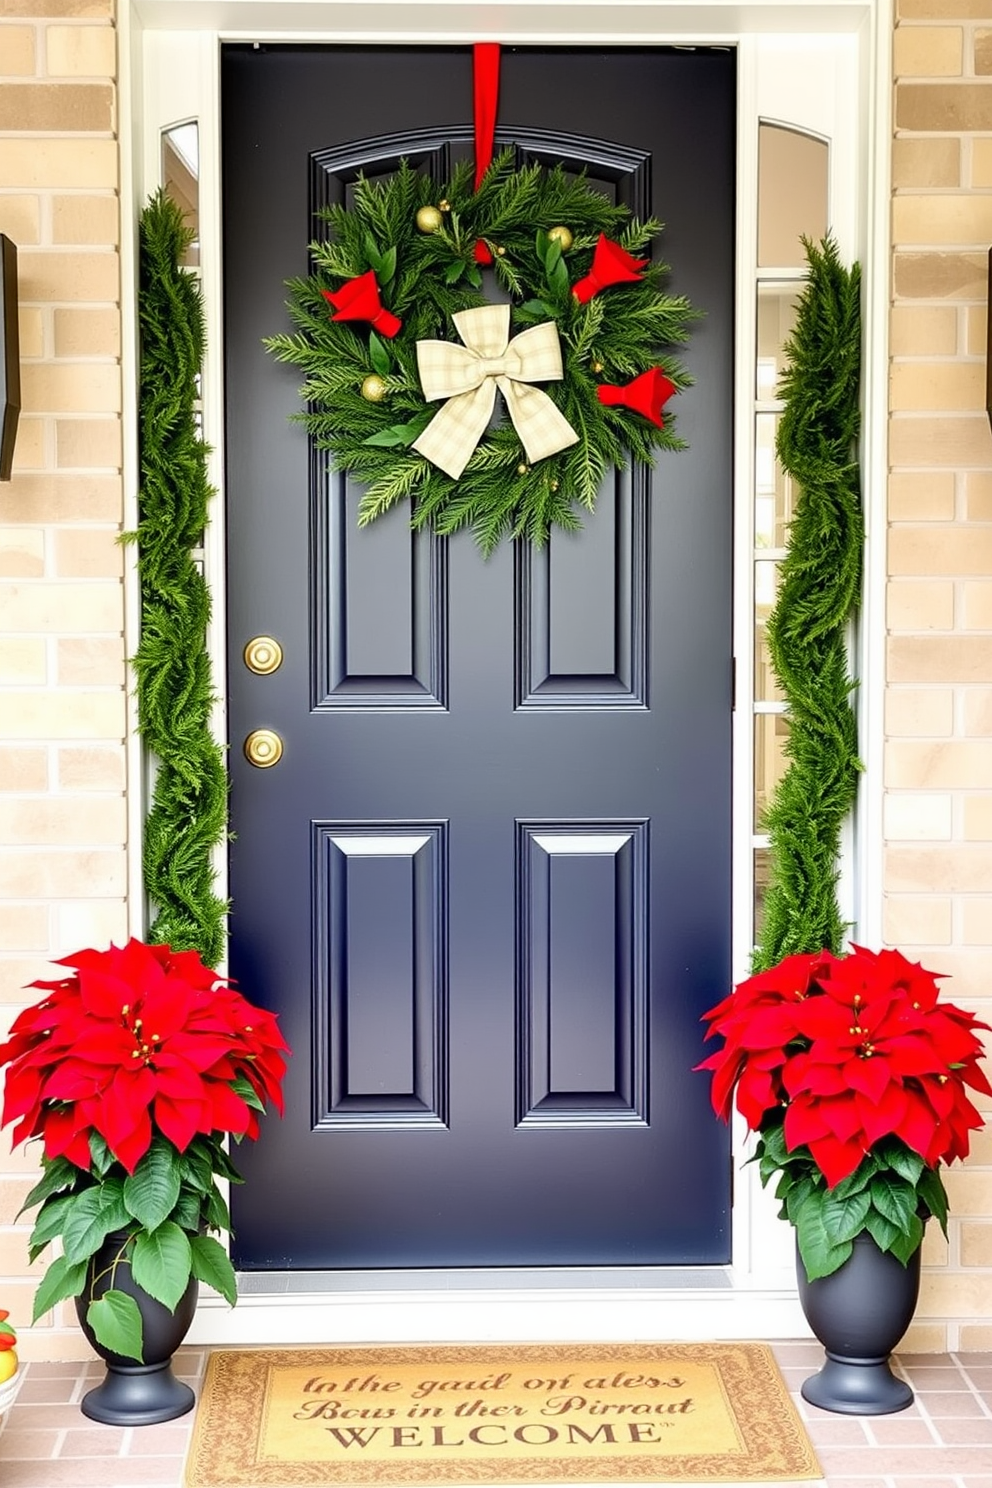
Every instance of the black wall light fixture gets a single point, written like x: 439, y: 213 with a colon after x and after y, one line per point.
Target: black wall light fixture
x: 10, y: 356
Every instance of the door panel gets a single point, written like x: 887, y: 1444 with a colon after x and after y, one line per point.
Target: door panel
x: 487, y: 886
x: 582, y: 1053
x: 582, y: 616
x: 366, y: 982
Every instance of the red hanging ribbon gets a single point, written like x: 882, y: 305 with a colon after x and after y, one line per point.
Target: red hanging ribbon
x: 359, y: 300
x: 646, y: 395
x: 485, y: 87
x: 611, y: 264
x: 485, y: 62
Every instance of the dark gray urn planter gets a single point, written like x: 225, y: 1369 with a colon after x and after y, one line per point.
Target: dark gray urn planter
x: 859, y: 1315
x: 137, y: 1394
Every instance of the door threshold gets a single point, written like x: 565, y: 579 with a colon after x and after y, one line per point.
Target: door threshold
x: 512, y: 1305
x: 483, y: 1279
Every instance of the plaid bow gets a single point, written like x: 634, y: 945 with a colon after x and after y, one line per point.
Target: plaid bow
x: 468, y: 376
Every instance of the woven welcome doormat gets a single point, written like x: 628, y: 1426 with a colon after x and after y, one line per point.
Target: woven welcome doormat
x: 558, y: 1413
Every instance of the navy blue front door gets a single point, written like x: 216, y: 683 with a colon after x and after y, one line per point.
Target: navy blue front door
x: 487, y: 885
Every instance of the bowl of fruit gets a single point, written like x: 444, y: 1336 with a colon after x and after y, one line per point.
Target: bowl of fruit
x: 10, y: 1375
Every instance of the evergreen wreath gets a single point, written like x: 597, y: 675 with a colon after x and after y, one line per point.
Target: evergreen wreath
x: 819, y: 591
x: 420, y: 245
x: 188, y: 815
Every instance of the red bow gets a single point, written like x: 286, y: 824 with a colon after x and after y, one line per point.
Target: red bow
x: 647, y: 395
x: 359, y: 300
x: 611, y: 264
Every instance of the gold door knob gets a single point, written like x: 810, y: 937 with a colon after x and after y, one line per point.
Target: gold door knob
x: 263, y: 748
x: 262, y: 655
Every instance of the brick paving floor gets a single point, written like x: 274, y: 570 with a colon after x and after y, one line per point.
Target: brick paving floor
x: 944, y: 1440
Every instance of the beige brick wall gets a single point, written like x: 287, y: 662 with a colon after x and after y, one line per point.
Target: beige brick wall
x: 938, y: 765
x: 63, y: 867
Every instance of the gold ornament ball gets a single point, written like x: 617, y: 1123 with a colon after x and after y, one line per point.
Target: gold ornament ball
x: 428, y: 219
x: 373, y: 388
x: 522, y: 468
x: 562, y: 236
x: 500, y: 251
x: 596, y: 366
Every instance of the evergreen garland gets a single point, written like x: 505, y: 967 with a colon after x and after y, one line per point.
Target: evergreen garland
x: 819, y: 591
x: 188, y: 815
x: 426, y: 276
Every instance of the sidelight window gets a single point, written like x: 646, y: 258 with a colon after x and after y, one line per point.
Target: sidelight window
x: 181, y: 179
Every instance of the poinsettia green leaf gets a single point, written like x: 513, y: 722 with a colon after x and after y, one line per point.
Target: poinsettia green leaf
x: 786, y: 1181
x: 771, y: 1146
x: 845, y: 1217
x: 820, y: 1259
x: 188, y: 1210
x: 243, y: 1087
x: 64, y: 1278
x: 768, y: 1166
x: 474, y: 276
x: 882, y: 1230
x: 195, y: 1169
x: 894, y: 1198
x: 112, y: 1189
x: 821, y: 1256
x: 454, y: 271
x: 116, y: 1322
x: 542, y: 244
x: 151, y: 1191
x: 212, y: 1265
x: 858, y: 1180
x: 51, y: 1218
x: 100, y: 1154
x: 220, y: 1161
x: 908, y: 1241
x: 89, y: 1219
x: 161, y: 1263
x: 59, y: 1174
x: 798, y: 1196
x: 931, y: 1191
x: 218, y: 1215
x: 379, y: 355
x: 902, y: 1160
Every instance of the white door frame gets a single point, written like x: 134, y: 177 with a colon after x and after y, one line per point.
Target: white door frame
x: 824, y: 67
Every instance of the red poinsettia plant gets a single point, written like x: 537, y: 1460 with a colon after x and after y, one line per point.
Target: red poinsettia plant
x: 133, y: 1070
x: 854, y: 1075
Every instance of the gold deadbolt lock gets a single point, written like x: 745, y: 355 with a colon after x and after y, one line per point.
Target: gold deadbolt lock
x: 263, y: 748
x: 262, y: 655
